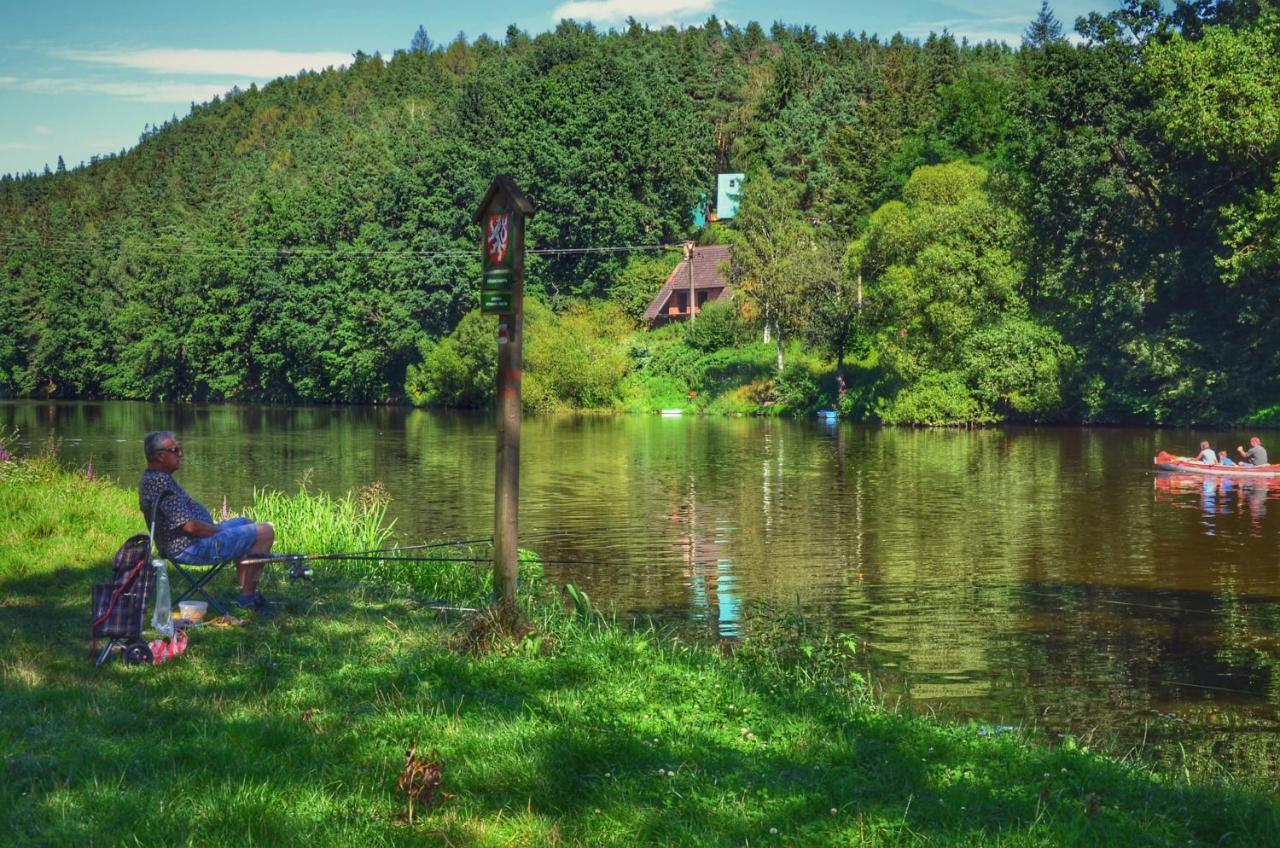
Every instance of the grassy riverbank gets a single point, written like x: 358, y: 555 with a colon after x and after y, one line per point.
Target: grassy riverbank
x: 292, y: 729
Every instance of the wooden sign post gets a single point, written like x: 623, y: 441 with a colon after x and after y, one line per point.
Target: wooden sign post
x: 501, y: 218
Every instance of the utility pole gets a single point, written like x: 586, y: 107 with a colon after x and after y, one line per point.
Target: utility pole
x: 501, y: 218
x: 693, y: 295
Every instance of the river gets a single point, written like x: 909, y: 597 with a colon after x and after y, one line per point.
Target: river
x: 1014, y: 576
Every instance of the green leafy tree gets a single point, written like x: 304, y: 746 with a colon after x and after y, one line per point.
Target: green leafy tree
x: 770, y: 256
x: 941, y: 273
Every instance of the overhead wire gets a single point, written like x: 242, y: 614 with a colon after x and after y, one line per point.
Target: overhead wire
x: 65, y: 244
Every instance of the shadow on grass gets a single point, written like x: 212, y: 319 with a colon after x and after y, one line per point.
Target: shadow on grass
x: 291, y: 730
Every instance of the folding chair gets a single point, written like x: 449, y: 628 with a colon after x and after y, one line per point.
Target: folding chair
x: 196, y: 581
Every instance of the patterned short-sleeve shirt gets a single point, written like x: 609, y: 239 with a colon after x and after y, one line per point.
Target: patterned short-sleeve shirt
x: 175, y: 510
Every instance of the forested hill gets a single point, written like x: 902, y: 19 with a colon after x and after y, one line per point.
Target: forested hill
x: 1107, y: 251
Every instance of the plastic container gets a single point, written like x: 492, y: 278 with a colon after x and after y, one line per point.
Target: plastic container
x: 193, y: 611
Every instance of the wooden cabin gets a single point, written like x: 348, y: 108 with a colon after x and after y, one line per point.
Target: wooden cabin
x: 672, y: 302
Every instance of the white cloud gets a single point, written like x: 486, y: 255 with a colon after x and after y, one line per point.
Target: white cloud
x: 977, y: 30
x: 153, y: 92
x: 41, y: 129
x: 616, y: 11
x: 258, y: 64
x: 18, y: 145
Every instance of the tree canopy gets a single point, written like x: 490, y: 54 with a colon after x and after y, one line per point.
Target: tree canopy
x: 1079, y: 229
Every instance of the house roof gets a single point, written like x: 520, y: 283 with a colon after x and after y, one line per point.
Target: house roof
x: 706, y: 275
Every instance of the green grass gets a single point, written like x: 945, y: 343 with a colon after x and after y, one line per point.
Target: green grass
x: 292, y: 729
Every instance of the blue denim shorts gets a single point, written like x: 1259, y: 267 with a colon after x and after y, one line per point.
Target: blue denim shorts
x: 233, y: 540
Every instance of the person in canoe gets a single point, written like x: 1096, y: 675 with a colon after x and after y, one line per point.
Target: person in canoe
x: 1255, y: 455
x: 1224, y: 459
x: 1206, y: 455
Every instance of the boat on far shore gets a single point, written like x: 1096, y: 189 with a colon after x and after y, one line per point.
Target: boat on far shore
x: 1185, y: 465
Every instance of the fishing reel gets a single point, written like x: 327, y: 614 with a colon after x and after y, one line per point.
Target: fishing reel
x: 299, y: 570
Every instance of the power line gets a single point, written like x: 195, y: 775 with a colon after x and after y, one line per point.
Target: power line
x: 57, y: 244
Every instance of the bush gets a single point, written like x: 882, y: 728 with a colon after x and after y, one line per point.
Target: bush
x: 648, y: 393
x: 639, y: 281
x: 797, y: 390
x: 715, y: 328
x: 577, y: 359
x: 935, y: 400
x: 1015, y: 365
x: 458, y: 369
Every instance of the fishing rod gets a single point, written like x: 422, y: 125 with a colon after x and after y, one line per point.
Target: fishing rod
x: 370, y: 555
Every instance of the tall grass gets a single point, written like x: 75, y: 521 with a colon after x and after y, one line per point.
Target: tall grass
x: 318, y: 523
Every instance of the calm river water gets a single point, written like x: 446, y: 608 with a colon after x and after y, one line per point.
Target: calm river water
x: 1016, y: 576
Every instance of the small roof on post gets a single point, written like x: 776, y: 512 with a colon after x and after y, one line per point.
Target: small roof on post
x: 503, y: 185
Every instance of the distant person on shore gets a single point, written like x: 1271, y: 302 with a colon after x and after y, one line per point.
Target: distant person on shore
x: 1206, y: 455
x: 1223, y: 459
x: 186, y: 532
x: 1256, y: 454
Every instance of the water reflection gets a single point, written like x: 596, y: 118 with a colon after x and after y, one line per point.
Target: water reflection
x: 1013, y: 575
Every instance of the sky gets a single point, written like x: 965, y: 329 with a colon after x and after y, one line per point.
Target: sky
x: 80, y: 79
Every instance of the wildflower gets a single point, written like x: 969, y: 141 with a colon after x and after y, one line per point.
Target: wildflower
x: 773, y: 831
x: 5, y: 456
x: 834, y: 811
x: 662, y: 772
x: 89, y: 475
x: 608, y: 774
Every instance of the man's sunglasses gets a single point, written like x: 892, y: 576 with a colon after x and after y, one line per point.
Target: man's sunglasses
x: 175, y: 451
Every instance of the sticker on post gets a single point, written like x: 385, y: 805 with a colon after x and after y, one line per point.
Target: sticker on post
x: 503, y: 336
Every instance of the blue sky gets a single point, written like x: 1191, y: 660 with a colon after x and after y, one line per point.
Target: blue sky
x: 84, y: 78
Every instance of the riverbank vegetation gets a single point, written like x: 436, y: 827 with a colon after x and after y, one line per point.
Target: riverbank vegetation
x: 933, y: 232
x: 293, y: 728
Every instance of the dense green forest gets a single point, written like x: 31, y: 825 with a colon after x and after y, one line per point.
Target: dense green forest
x: 1072, y: 229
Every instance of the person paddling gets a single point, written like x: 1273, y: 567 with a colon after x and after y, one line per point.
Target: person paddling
x: 1256, y: 454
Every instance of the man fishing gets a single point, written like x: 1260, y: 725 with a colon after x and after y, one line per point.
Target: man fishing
x: 185, y: 531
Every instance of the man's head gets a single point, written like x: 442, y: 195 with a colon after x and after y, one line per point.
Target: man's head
x: 1254, y: 442
x: 163, y: 451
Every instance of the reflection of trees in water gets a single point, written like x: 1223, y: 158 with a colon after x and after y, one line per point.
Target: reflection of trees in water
x: 1108, y: 656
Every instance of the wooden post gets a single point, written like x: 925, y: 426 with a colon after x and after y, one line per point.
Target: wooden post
x: 501, y: 217
x: 693, y: 295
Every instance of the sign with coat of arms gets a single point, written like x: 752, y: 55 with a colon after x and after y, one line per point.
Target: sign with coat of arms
x: 497, y: 287
x: 501, y: 218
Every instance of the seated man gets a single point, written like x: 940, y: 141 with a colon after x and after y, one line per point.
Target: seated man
x: 1206, y: 455
x: 185, y: 531
x: 1223, y: 459
x: 1256, y: 455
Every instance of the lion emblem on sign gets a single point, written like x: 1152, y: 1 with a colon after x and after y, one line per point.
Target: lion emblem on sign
x: 499, y: 237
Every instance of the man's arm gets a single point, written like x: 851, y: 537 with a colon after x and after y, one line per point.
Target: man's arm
x: 199, y: 529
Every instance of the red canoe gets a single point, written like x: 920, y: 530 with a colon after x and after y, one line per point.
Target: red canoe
x: 1169, y: 462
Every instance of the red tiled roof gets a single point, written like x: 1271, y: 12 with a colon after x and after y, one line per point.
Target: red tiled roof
x: 706, y: 275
